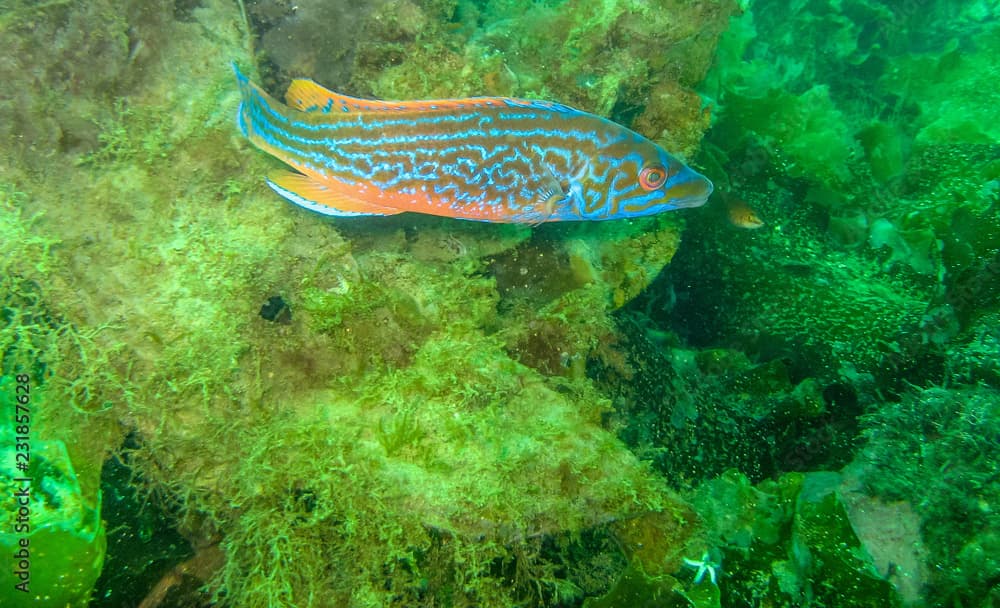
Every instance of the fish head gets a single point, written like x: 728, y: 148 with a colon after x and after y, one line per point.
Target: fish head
x: 640, y: 178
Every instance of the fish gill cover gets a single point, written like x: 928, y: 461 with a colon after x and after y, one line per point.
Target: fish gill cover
x: 417, y: 411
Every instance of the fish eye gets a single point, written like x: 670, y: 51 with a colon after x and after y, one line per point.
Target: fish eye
x: 652, y: 177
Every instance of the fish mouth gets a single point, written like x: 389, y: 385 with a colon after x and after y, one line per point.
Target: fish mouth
x: 691, y: 189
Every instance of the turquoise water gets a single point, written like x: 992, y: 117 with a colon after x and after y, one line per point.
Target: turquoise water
x: 789, y: 396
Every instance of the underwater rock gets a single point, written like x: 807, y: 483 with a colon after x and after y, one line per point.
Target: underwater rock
x: 636, y: 589
x: 80, y: 55
x: 386, y: 424
x: 890, y: 533
x: 559, y: 289
x: 934, y: 449
x: 602, y: 59
x: 312, y: 38
x: 656, y: 542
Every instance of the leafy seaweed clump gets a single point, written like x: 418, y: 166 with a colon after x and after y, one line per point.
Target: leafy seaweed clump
x: 790, y: 542
x: 938, y: 449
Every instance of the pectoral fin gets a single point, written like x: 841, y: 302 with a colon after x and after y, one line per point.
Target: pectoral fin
x: 548, y: 198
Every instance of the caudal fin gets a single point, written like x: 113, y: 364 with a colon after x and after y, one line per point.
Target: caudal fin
x: 257, y: 111
x: 246, y: 88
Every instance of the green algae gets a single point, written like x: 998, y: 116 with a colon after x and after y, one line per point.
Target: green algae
x: 66, y: 390
x: 790, y: 542
x: 901, y: 230
x: 635, y: 588
x: 935, y: 450
x: 421, y: 463
x: 831, y: 133
x: 437, y: 420
x: 388, y: 424
x: 55, y: 534
x: 613, y: 57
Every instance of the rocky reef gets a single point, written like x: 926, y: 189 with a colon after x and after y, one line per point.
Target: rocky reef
x: 418, y: 411
x: 364, y: 413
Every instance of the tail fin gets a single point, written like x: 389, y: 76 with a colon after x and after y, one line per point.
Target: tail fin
x: 256, y: 107
x: 245, y: 89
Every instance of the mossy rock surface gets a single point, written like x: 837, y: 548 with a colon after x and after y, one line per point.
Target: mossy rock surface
x: 389, y: 417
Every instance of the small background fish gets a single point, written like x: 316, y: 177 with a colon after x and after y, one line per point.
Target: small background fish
x: 739, y: 212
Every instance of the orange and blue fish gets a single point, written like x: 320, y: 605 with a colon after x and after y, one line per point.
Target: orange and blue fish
x: 493, y: 159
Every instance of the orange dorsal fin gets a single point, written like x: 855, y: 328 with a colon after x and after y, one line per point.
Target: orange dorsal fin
x: 322, y: 196
x: 307, y: 96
